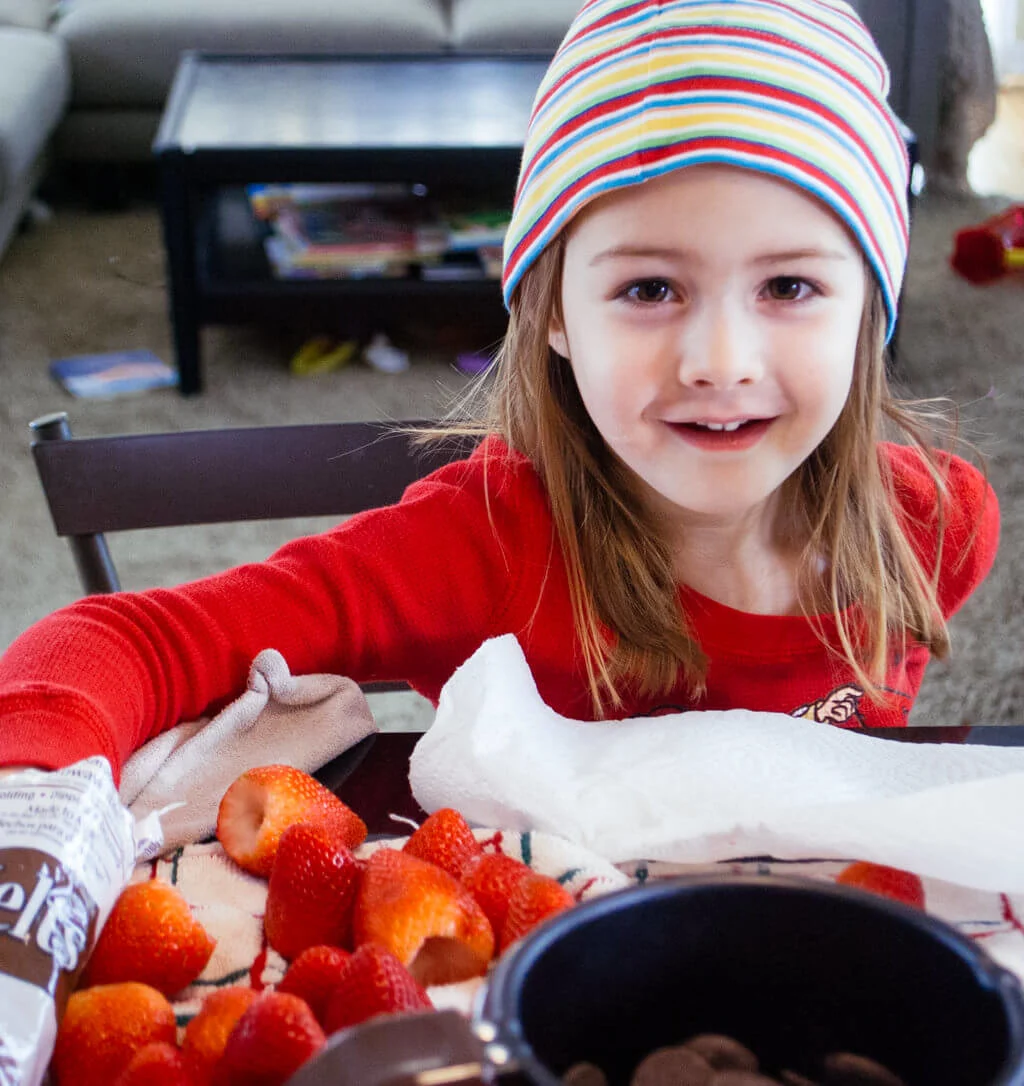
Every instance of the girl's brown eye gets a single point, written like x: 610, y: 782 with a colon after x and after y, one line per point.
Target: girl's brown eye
x: 783, y: 288
x: 650, y: 290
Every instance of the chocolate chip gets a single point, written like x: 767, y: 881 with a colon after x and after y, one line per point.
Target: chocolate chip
x: 741, y: 1078
x: 846, y: 1069
x: 673, y: 1066
x: 585, y: 1074
x: 723, y: 1053
x: 791, y: 1078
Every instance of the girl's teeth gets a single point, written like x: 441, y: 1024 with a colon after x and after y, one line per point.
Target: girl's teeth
x: 721, y: 425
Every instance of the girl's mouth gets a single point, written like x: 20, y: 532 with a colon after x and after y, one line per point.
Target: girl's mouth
x: 723, y: 437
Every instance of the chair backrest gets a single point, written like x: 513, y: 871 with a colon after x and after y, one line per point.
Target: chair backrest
x: 96, y: 485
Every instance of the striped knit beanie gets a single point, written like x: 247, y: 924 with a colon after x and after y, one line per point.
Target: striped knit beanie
x: 792, y: 88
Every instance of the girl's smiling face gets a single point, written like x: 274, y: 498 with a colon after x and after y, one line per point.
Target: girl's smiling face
x: 711, y: 320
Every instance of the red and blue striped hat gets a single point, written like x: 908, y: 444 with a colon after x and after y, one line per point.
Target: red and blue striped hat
x: 792, y: 88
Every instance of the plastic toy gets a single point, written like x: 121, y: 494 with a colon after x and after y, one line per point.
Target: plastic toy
x: 383, y: 356
x: 991, y: 249
x: 322, y: 355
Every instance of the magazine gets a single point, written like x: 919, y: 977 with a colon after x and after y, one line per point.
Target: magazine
x: 112, y: 373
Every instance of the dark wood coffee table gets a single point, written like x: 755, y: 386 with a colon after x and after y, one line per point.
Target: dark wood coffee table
x: 446, y: 122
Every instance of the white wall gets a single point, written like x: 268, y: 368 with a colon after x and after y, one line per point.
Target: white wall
x: 1005, y: 22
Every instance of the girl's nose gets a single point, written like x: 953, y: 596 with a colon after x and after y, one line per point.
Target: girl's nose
x: 719, y: 349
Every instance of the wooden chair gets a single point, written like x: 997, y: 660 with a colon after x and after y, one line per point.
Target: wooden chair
x: 96, y: 485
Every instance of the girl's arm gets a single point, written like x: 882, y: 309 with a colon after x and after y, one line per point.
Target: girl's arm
x: 971, y: 536
x: 406, y: 592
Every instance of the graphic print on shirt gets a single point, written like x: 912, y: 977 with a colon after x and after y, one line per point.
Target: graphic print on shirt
x: 840, y: 707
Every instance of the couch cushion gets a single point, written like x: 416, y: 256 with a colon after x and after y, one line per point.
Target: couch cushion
x: 511, y: 25
x: 124, y: 52
x: 32, y: 14
x: 35, y: 86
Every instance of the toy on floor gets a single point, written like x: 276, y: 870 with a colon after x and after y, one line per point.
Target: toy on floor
x: 991, y: 249
x: 383, y: 356
x: 322, y: 354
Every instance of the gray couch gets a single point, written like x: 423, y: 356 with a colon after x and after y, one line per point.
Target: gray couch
x: 35, y: 91
x: 89, y: 77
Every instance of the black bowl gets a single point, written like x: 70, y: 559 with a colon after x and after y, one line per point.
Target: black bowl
x: 791, y: 967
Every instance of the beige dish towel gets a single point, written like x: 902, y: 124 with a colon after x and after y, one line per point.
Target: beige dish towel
x: 302, y: 721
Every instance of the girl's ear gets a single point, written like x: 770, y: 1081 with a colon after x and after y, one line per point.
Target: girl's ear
x: 557, y: 339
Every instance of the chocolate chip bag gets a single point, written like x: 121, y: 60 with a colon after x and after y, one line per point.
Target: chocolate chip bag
x: 67, y: 849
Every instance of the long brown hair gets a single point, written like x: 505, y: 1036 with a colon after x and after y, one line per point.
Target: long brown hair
x: 839, y: 504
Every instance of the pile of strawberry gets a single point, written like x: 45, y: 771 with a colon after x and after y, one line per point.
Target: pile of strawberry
x: 363, y: 936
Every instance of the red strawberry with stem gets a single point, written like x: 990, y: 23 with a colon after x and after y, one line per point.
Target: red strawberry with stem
x: 311, y: 892
x: 314, y: 975
x: 888, y: 881
x: 491, y: 878
x: 373, y: 981
x: 427, y: 919
x: 534, y: 899
x: 444, y: 839
x: 263, y: 802
x: 270, y: 1042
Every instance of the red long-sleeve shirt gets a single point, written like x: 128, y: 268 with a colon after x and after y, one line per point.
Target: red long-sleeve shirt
x: 410, y: 592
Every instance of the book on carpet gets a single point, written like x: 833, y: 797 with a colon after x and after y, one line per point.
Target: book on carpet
x: 112, y: 373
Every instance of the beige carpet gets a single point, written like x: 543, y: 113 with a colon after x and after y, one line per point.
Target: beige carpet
x: 90, y: 281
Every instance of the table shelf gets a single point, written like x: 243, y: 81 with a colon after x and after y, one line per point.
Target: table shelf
x: 453, y: 124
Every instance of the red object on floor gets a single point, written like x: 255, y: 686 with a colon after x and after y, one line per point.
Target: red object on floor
x: 991, y: 249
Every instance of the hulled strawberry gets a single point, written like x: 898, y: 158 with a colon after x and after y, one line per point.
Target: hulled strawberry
x: 208, y: 1032
x: 263, y: 802
x: 427, y: 919
x: 373, y: 981
x: 102, y: 1029
x: 534, y: 899
x: 151, y: 937
x: 491, y: 878
x: 157, y: 1064
x: 444, y: 839
x: 312, y: 890
x: 270, y: 1042
x: 888, y: 881
x: 313, y: 975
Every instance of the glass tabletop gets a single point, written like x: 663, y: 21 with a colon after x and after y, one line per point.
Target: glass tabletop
x: 225, y: 102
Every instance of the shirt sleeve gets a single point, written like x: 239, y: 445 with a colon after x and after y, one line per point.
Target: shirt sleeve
x: 406, y: 592
x: 970, y: 535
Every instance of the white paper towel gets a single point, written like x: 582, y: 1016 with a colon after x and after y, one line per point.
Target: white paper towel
x: 705, y: 786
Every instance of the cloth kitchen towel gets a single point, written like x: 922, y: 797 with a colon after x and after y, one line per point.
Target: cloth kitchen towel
x: 702, y: 787
x: 302, y: 721
x: 230, y: 904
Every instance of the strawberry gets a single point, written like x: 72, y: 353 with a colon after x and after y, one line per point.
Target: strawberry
x: 491, y: 878
x: 151, y: 937
x: 535, y: 898
x: 207, y: 1033
x: 102, y: 1029
x: 272, y: 1039
x: 313, y: 976
x: 444, y: 839
x: 157, y: 1064
x: 311, y: 893
x: 263, y: 802
x: 427, y: 919
x: 373, y: 981
x: 887, y: 881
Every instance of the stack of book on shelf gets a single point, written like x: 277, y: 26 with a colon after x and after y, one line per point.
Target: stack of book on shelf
x: 361, y: 231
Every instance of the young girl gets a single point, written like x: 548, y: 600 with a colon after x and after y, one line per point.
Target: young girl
x: 682, y: 498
